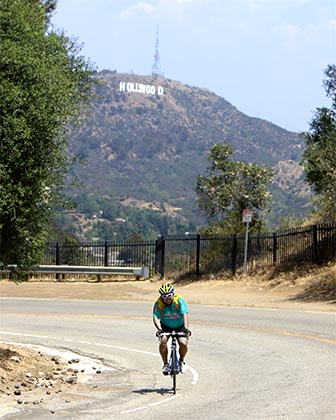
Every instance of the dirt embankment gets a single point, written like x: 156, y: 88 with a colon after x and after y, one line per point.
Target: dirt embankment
x: 33, y: 376
x: 305, y: 288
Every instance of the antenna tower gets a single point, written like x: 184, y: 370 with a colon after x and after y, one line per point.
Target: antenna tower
x: 156, y: 68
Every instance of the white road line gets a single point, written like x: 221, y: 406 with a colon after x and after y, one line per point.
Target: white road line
x: 35, y: 336
x: 164, y: 401
x: 194, y: 374
x: 127, y: 349
x: 134, y: 409
x: 151, y: 405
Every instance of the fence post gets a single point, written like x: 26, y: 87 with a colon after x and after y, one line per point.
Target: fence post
x: 275, y: 248
x: 334, y: 240
x: 198, y: 250
x: 315, y: 249
x: 57, y: 254
x: 160, y: 255
x: 58, y: 259
x: 106, y: 254
x: 234, y: 254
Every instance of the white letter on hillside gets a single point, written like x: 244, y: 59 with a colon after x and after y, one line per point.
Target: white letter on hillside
x: 130, y: 87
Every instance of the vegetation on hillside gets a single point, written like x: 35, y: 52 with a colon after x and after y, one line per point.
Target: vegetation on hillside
x: 43, y: 82
x: 319, y: 158
x: 229, y: 187
x: 107, y: 220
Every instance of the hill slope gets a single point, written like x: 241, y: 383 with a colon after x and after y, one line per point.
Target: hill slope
x: 147, y: 139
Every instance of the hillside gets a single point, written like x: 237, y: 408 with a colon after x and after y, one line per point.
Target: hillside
x: 147, y: 139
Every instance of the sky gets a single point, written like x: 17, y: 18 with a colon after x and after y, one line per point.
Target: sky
x: 266, y: 57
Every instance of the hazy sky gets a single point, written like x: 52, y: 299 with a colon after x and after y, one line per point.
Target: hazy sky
x: 266, y: 57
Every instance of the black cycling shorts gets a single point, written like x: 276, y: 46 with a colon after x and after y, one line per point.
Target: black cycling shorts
x: 165, y: 328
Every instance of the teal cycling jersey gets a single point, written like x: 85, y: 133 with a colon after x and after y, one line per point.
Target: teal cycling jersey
x: 171, y: 315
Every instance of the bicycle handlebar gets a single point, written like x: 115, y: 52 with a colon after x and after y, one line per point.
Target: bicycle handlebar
x: 173, y: 334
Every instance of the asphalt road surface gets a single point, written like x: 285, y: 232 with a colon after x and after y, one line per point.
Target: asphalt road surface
x: 243, y: 364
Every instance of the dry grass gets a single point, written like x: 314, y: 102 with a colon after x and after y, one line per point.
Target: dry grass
x: 316, y: 283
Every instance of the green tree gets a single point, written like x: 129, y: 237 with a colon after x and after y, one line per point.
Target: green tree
x: 44, y: 81
x: 231, y: 186
x: 319, y: 158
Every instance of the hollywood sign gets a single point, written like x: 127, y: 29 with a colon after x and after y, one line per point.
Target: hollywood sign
x: 140, y: 88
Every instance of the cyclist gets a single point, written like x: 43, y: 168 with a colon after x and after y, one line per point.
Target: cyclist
x: 170, y: 313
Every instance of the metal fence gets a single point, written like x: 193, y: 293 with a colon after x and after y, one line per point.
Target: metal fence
x: 195, y: 255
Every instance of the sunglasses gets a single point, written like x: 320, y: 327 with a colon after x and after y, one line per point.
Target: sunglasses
x: 168, y: 295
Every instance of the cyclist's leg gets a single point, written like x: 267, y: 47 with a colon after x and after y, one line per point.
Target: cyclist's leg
x: 163, y: 348
x: 183, y: 347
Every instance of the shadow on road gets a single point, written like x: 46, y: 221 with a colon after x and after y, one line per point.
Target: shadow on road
x: 161, y: 391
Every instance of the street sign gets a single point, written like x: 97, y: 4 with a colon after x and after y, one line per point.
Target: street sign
x: 247, y: 216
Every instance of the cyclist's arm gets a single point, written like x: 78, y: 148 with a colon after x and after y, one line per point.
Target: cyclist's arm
x: 156, y: 316
x: 186, y: 320
x: 157, y: 323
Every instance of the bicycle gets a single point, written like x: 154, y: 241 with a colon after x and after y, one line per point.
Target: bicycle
x: 174, y: 363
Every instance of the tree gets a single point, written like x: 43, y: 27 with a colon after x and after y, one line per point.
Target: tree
x: 319, y: 158
x: 231, y: 186
x: 44, y: 83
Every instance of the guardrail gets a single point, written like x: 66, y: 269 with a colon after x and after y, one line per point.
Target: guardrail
x: 139, y: 272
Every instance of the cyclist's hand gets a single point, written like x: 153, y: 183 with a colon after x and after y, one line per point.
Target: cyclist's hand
x: 187, y: 332
x: 158, y: 333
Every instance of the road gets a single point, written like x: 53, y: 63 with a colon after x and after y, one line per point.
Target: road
x: 244, y: 364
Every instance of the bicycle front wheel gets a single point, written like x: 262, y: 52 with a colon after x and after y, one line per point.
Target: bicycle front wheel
x: 174, y: 370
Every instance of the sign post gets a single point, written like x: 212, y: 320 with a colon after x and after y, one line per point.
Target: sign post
x: 247, y: 218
